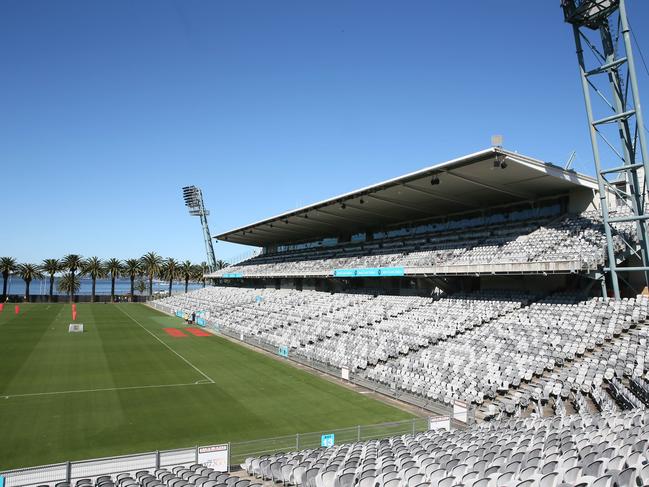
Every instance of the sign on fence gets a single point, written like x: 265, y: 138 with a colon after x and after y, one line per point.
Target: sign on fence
x: 327, y: 441
x: 460, y: 411
x: 214, y: 457
x: 344, y: 373
x: 2, y: 481
x: 283, y: 351
x: 439, y: 423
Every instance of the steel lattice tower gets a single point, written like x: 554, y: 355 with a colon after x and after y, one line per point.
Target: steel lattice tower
x: 610, y: 88
x: 193, y: 197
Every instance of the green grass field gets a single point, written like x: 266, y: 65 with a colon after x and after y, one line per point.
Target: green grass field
x: 126, y: 386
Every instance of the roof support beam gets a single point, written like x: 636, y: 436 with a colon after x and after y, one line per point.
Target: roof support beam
x: 440, y: 197
x: 365, y: 210
x: 396, y: 203
x: 269, y: 230
x: 313, y: 219
x: 500, y: 189
x: 349, y: 219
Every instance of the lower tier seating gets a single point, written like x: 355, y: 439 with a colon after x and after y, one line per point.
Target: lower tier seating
x: 602, y: 450
x: 511, y: 349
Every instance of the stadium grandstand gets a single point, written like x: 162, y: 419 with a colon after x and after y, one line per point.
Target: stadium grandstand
x: 499, y: 298
x: 479, y: 280
x: 494, y: 212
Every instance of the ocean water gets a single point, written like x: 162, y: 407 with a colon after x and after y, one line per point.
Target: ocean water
x: 16, y: 286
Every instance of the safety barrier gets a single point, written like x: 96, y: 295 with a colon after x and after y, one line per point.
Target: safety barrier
x: 237, y: 452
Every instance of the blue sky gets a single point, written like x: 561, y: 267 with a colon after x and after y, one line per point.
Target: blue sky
x: 108, y: 108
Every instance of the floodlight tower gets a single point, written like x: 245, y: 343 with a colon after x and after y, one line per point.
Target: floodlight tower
x: 603, y: 27
x: 193, y: 197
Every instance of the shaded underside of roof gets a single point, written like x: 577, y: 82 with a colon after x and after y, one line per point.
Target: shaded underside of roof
x: 488, y: 178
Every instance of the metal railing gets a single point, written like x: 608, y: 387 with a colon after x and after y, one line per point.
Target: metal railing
x: 301, y: 441
x: 423, y: 403
x: 70, y: 471
x: 428, y: 405
x: 538, y: 267
x: 74, y: 470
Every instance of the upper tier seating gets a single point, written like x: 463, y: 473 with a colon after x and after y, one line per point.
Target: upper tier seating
x: 575, y: 239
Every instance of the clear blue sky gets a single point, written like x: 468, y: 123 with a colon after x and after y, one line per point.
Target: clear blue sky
x: 108, y: 108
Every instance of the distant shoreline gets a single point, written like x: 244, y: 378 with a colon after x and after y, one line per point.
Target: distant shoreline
x: 41, y: 287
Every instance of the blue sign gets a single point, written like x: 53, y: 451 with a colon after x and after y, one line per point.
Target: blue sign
x: 283, y: 351
x: 392, y: 271
x: 200, y: 321
x: 370, y: 272
x: 180, y: 314
x: 344, y: 273
x: 258, y: 299
x: 327, y: 441
x: 232, y: 275
x: 2, y: 481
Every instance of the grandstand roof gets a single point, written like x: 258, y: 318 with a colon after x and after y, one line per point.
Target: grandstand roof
x: 487, y: 178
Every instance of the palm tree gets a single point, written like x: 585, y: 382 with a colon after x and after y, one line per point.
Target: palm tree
x: 151, y: 264
x: 220, y: 264
x: 141, y: 286
x: 28, y: 272
x: 187, y: 272
x: 69, y: 284
x: 204, y: 269
x: 198, y: 275
x: 72, y: 262
x: 113, y: 268
x: 94, y: 267
x: 132, y: 268
x: 170, y: 270
x: 51, y: 267
x: 7, y: 266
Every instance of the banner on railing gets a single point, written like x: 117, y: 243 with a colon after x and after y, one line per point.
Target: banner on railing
x: 232, y: 275
x: 439, y: 423
x: 214, y: 457
x: 370, y: 272
x: 460, y: 411
x: 327, y: 441
x: 283, y: 351
x: 344, y: 373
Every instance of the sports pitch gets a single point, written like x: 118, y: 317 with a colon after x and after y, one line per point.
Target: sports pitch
x: 126, y: 385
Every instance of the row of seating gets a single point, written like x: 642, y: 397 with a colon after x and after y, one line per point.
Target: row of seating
x: 195, y: 475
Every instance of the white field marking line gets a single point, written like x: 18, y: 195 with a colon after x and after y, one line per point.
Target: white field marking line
x: 171, y: 349
x: 108, y: 389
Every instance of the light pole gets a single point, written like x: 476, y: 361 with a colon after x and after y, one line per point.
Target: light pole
x: 193, y: 197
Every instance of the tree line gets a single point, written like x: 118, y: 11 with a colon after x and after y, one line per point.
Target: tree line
x: 73, y: 266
